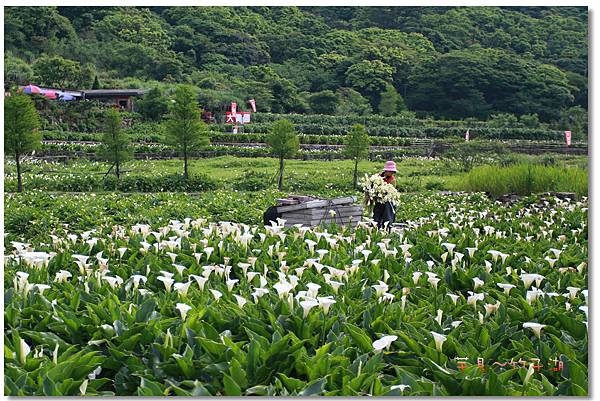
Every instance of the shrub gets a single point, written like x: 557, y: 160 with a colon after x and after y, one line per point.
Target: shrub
x: 253, y: 181
x: 435, y: 185
x: 510, y: 159
x: 165, y: 183
x: 472, y: 153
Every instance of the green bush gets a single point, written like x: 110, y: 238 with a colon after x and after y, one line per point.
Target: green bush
x: 435, y: 185
x: 164, y: 183
x: 127, y: 183
x: 253, y: 181
x: 525, y: 179
x: 473, y: 153
x: 509, y: 159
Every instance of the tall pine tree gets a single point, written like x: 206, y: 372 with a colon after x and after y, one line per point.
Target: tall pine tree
x: 115, y: 144
x: 357, y: 147
x: 184, y: 129
x: 21, y: 124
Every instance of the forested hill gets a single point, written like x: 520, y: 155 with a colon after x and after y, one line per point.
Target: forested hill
x: 445, y: 62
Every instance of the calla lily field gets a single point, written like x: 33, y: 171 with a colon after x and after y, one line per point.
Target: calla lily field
x: 467, y: 297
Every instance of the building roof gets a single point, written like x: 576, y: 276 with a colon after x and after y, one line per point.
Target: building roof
x: 113, y: 92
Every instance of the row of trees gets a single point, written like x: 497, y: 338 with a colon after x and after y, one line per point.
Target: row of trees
x: 284, y: 143
x: 184, y: 130
x: 445, y: 62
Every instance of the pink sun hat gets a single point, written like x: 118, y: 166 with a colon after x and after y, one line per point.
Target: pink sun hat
x: 390, y: 166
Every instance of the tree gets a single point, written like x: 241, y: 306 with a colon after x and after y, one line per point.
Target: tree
x: 21, y: 135
x: 57, y: 72
x: 154, y: 105
x: 357, y: 147
x: 184, y: 129
x: 96, y: 84
x: 16, y: 71
x: 352, y: 103
x: 86, y: 79
x: 370, y: 78
x: 115, y: 144
x: 575, y: 119
x: 324, y: 102
x: 530, y: 120
x: 503, y: 120
x: 390, y: 101
x: 284, y: 143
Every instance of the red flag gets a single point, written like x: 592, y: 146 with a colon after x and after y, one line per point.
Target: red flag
x: 568, y: 137
x: 253, y: 104
x: 233, y: 107
x: 467, y: 135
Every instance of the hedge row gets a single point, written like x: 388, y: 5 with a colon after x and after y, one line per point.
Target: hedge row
x: 88, y: 151
x: 127, y: 183
x: 414, y: 132
x: 406, y: 119
x: 221, y: 137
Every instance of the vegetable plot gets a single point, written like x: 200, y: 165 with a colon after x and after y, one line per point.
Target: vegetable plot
x: 472, y: 299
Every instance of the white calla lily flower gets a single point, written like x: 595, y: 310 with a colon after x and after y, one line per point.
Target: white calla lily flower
x: 307, y: 305
x: 535, y: 327
x: 439, y: 340
x: 217, y: 294
x: 383, y: 343
x: 183, y: 309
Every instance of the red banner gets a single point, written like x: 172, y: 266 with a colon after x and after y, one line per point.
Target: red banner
x: 252, y: 104
x: 229, y: 118
x: 568, y: 137
x: 233, y: 107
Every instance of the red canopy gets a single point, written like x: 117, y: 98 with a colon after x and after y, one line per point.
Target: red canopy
x: 50, y: 94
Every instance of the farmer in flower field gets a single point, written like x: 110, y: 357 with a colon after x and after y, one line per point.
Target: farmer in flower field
x: 385, y: 212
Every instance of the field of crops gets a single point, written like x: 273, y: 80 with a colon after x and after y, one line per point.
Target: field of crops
x: 154, y: 296
x: 321, y: 136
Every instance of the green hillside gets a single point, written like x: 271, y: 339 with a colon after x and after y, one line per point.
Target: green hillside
x: 442, y: 62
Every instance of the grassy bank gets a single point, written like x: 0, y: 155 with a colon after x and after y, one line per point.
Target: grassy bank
x: 526, y: 178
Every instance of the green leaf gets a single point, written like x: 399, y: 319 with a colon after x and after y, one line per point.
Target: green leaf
x: 292, y: 384
x: 574, y: 327
x: 231, y: 387
x: 212, y: 347
x: 578, y: 391
x: 49, y: 387
x: 149, y: 388
x: 145, y: 310
x: 258, y: 390
x: 359, y: 337
x: 484, y: 337
x: 578, y: 374
x: 315, y: 387
x: 563, y: 347
x: 48, y: 339
x: 254, y: 351
x: 238, y: 374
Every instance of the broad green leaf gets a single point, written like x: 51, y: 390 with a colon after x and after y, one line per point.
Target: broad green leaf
x: 231, y: 387
x: 359, y: 337
x: 315, y: 387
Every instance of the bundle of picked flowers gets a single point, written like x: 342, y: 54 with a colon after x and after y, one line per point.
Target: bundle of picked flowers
x: 376, y: 190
